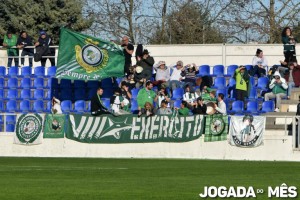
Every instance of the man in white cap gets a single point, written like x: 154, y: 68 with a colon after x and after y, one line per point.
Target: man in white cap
x: 176, y: 77
x: 162, y: 73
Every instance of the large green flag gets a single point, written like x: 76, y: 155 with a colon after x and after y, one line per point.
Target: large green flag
x: 84, y: 57
x: 54, y: 126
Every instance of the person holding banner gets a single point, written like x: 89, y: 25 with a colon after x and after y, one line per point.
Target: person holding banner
x: 97, y: 107
x: 221, y: 107
x: 128, y: 51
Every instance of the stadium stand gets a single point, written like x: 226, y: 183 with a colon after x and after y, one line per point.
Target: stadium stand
x: 204, y: 70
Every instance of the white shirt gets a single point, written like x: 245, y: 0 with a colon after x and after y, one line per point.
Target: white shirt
x: 221, y: 107
x: 259, y: 61
x: 176, y: 74
x: 57, y: 107
x: 190, y: 97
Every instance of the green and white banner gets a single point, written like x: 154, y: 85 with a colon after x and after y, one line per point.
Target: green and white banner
x: 28, y: 129
x: 54, y: 126
x: 247, y: 130
x: 84, y: 57
x: 133, y: 129
x: 216, y: 128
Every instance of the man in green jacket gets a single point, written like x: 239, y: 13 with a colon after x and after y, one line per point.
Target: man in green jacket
x: 10, y: 40
x: 146, y: 95
x: 242, y: 78
x: 279, y: 88
x: 184, y: 111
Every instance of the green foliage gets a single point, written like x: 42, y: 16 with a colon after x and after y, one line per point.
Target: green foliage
x: 36, y: 15
x: 189, y: 24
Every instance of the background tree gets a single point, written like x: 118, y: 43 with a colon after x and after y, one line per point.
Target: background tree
x: 259, y: 20
x: 36, y: 15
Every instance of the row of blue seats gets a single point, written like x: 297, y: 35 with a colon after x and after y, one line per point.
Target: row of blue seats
x: 27, y: 71
x: 24, y: 94
x: 25, y: 83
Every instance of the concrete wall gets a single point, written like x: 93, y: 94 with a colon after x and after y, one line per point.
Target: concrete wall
x: 276, y: 147
x: 211, y: 54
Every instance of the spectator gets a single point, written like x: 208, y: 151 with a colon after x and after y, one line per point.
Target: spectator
x: 289, y: 42
x: 146, y: 95
x: 190, y: 74
x: 200, y: 107
x: 56, y: 108
x: 259, y: 63
x: 128, y: 51
x: 189, y: 96
x: 221, y: 107
x: 23, y: 42
x: 147, y: 110
x: 293, y: 78
x: 164, y: 110
x: 183, y: 110
x: 126, y: 94
x: 279, y: 87
x: 162, y: 73
x: 42, y: 45
x: 176, y: 77
x: 10, y: 42
x: 146, y: 62
x: 139, y: 77
x: 117, y: 103
x: 242, y: 79
x: 162, y: 94
x: 97, y: 106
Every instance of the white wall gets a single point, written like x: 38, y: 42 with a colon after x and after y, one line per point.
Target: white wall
x: 276, y: 147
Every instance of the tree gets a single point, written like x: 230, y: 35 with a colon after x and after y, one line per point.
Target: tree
x: 36, y: 15
x: 188, y: 24
x: 259, y: 20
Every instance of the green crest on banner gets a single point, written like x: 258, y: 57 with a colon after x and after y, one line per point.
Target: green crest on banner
x: 54, y: 126
x: 84, y: 57
x: 216, y: 127
x: 29, y: 127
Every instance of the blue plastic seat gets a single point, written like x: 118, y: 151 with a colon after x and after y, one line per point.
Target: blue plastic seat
x: 48, y: 95
x: 107, y: 83
x: 11, y: 106
x: 134, y: 106
x: 93, y: 84
x: 53, y: 83
x: 119, y: 80
x: 204, y: 70
x: 66, y: 106
x: 38, y: 83
x: 10, y: 123
x: 25, y: 106
x: 177, y: 103
x: 106, y: 103
x: 248, y: 67
x: 262, y: 83
x: 12, y: 94
x: 26, y: 71
x: 220, y: 82
x: 231, y: 83
x: 177, y: 94
x: 66, y: 94
x: 252, y: 107
x: 237, y: 107
x: 2, y: 83
x: 267, y: 106
x: 218, y: 70
x: 38, y: 94
x: 79, y: 106
x: 25, y: 94
x: 2, y: 94
x: 79, y: 94
x: 134, y: 93
x: 2, y: 71
x: 231, y: 70
x: 12, y: 83
x: 51, y: 71
x: 79, y: 84
x: 25, y: 83
x: 38, y: 106
x: 252, y: 94
x: 13, y: 72
x: 1, y: 107
x: 39, y: 71
x: 65, y: 83
x: 252, y: 81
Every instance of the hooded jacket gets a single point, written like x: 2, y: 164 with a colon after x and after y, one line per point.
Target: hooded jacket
x: 278, y: 87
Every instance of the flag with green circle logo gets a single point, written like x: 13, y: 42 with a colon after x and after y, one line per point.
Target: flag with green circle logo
x: 83, y: 57
x: 28, y: 129
x: 216, y: 128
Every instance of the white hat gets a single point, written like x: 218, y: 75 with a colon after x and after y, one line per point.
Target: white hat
x: 138, y: 69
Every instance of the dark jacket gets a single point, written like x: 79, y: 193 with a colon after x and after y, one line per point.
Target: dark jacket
x: 200, y: 110
x: 26, y: 42
x: 146, y: 64
x: 96, y: 105
x: 46, y: 42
